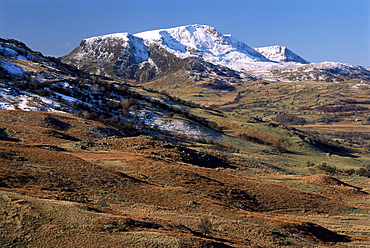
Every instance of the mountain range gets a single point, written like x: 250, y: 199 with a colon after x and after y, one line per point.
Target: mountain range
x: 147, y: 55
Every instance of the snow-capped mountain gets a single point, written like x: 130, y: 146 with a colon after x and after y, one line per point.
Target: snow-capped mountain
x: 204, y: 42
x: 107, y: 54
x: 147, y: 55
x: 280, y: 54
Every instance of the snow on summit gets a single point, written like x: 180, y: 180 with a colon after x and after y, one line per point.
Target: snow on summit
x: 200, y: 41
x: 145, y: 55
x: 205, y: 42
x: 280, y: 54
x: 107, y: 47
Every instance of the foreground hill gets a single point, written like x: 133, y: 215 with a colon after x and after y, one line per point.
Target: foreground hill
x: 86, y: 190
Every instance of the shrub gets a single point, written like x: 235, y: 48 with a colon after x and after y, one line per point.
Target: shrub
x: 350, y: 171
x: 205, y: 225
x: 364, y: 172
x: 310, y: 164
x: 289, y: 119
x: 253, y: 139
x: 170, y: 114
x: 327, y: 168
x: 327, y: 119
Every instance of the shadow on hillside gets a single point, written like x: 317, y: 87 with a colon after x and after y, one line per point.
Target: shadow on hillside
x: 51, y: 148
x: 323, y: 144
x: 318, y: 232
x: 6, y: 137
x: 60, y: 135
x: 203, y: 159
x: 332, y: 149
x: 218, y: 242
x: 105, y: 131
x: 52, y: 122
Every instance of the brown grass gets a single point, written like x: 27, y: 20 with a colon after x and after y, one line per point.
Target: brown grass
x: 141, y: 192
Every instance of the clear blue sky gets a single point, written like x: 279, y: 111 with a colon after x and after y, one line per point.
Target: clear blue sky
x: 317, y: 30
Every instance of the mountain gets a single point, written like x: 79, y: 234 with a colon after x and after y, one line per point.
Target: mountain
x: 124, y: 56
x: 204, y: 42
x: 280, y: 54
x: 152, y: 54
x: 108, y: 55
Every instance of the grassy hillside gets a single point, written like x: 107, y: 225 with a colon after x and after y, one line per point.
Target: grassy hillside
x: 68, y: 182
x: 200, y: 158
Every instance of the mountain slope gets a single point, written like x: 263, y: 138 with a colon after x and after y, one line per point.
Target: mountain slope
x: 135, y: 185
x: 18, y: 61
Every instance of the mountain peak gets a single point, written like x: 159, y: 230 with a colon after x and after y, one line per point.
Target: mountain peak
x: 123, y: 36
x: 180, y: 38
x: 96, y: 52
x: 202, y: 41
x: 280, y: 54
x: 194, y: 28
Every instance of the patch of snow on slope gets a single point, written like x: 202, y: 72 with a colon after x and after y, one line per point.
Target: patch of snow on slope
x: 11, y: 99
x: 179, y: 126
x: 334, y: 65
x: 11, y: 68
x: 6, y: 99
x: 10, y: 53
x: 176, y: 126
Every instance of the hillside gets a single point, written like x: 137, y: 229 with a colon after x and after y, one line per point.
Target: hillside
x: 139, y: 191
x: 87, y: 161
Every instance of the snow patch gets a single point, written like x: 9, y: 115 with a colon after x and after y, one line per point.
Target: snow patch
x: 11, y: 68
x: 11, y: 99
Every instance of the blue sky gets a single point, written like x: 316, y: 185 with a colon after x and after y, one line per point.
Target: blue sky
x: 317, y: 30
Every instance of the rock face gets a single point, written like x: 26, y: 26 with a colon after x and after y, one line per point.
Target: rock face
x: 115, y: 54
